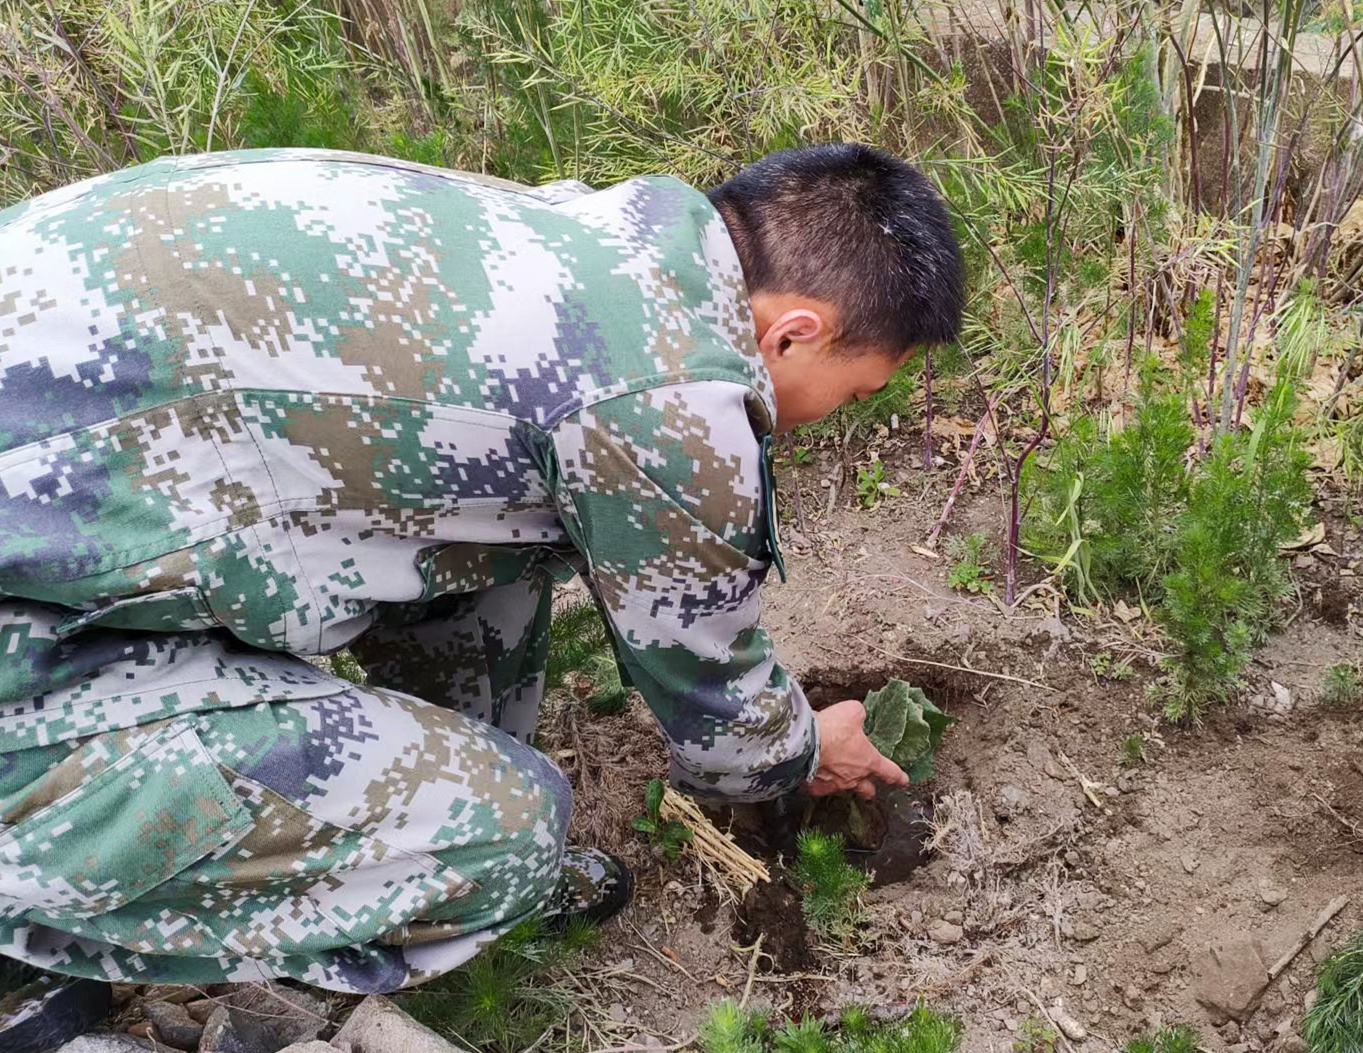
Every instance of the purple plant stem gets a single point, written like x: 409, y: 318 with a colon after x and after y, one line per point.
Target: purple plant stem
x: 969, y: 459
x: 927, y: 410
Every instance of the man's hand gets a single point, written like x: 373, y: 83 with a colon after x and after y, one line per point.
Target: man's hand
x: 847, y: 760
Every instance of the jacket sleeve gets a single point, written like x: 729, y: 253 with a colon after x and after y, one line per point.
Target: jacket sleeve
x: 662, y: 491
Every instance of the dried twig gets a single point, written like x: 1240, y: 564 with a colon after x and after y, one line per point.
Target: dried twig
x: 1322, y: 919
x: 1090, y: 788
x: 958, y: 668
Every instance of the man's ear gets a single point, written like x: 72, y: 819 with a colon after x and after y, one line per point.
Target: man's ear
x: 797, y: 331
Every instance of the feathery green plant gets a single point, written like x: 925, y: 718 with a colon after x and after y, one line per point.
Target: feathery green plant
x: 830, y: 885
x: 510, y: 994
x: 580, y: 642
x: 969, y: 569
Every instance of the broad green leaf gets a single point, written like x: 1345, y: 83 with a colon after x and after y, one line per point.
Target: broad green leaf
x: 904, y: 725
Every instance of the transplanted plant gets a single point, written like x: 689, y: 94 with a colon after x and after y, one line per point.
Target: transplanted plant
x: 580, y: 645
x: 904, y: 725
x: 830, y: 885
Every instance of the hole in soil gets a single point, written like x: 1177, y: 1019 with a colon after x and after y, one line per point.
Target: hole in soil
x: 887, y: 836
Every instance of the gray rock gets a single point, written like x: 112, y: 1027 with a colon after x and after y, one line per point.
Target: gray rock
x: 286, y: 1012
x: 174, y: 1026
x: 232, y: 1031
x: 315, y: 1045
x: 379, y: 1026
x: 1270, y: 895
x: 1228, y: 978
x: 105, y: 1042
x: 945, y: 932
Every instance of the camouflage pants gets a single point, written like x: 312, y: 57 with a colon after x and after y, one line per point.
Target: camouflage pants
x: 362, y: 840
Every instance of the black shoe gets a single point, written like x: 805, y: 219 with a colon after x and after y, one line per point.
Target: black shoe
x: 50, y: 1012
x: 593, y: 885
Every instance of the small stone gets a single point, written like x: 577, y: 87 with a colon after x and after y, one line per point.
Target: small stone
x: 176, y: 994
x: 1270, y: 895
x: 1072, y: 1029
x: 122, y: 993
x: 945, y: 932
x: 1080, y: 976
x: 201, y: 1010
x: 315, y: 1045
x: 954, y: 916
x: 231, y: 1031
x: 1133, y: 998
x: 916, y: 917
x: 1295, y: 1044
x: 1229, y: 976
x: 104, y: 1042
x: 174, y: 1026
x: 378, y: 1026
x: 1189, y: 863
x: 1083, y: 932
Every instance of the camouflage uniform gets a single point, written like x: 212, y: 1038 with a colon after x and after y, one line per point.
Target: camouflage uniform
x: 268, y: 404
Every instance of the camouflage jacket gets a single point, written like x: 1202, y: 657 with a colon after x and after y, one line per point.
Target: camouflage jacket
x: 272, y: 391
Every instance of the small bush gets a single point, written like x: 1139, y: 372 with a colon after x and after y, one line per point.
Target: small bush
x: 728, y: 1029
x: 1341, y: 686
x: 1335, y: 1023
x: 831, y: 886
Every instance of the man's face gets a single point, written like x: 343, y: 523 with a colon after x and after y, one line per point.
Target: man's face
x: 811, y: 378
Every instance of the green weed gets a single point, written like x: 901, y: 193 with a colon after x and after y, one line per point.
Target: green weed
x: 1035, y: 1036
x: 729, y: 1029
x: 510, y: 994
x: 347, y: 667
x: 871, y: 485
x: 1341, y: 686
x: 668, y: 835
x: 970, y: 555
x: 1334, y: 1024
x: 1179, y: 1039
x: 830, y: 885
x: 1105, y: 667
x: 1133, y: 751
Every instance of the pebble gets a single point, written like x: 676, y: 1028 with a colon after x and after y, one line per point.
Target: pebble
x: 955, y: 917
x: 1189, y: 864
x: 1081, y: 975
x: 945, y: 932
x: 1271, y: 896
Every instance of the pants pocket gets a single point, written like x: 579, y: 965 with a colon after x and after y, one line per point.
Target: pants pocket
x: 120, y: 815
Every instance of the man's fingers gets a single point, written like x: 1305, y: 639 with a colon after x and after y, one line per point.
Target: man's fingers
x: 890, y: 772
x: 865, y: 789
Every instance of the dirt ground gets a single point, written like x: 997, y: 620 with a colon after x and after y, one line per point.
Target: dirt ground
x: 1060, y: 878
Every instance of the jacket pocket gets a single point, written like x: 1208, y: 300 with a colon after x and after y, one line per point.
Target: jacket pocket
x: 117, y: 817
x: 175, y: 610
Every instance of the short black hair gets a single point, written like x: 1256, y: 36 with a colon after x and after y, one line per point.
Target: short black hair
x: 853, y: 226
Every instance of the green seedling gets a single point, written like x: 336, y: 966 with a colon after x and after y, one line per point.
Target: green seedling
x: 872, y: 487
x: 1035, y: 1036
x: 830, y: 885
x: 667, y: 834
x: 1133, y: 751
x: 1341, y: 686
x: 1105, y: 667
x: 969, y: 571
x: 1180, y: 1039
